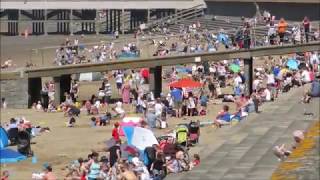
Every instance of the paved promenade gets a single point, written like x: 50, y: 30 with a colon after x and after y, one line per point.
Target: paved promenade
x: 244, y: 151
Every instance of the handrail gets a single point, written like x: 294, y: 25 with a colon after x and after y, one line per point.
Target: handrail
x: 164, y: 19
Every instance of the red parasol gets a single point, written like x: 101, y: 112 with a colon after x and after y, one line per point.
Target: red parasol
x: 186, y: 83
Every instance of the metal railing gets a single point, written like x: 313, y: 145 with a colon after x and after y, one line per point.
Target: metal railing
x: 179, y: 15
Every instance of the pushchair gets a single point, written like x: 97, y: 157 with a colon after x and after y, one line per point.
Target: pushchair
x: 182, y: 134
x: 194, y: 132
x: 24, y: 143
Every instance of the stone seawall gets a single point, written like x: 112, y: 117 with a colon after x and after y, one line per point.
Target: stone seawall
x: 15, y: 91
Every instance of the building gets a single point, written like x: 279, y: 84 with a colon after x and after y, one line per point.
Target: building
x: 106, y: 16
x: 84, y: 16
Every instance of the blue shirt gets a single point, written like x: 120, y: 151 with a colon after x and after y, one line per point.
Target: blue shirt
x: 226, y: 117
x: 204, y: 99
x: 315, y: 88
x: 276, y: 71
x: 176, y: 95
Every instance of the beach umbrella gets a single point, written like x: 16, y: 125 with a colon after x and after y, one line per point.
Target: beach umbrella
x: 234, y: 68
x: 124, y: 124
x: 223, y: 38
x: 10, y: 156
x: 186, y: 83
x: 139, y: 137
x: 292, y: 64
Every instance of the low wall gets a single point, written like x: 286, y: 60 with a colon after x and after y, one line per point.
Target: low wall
x: 14, y: 88
x: 15, y: 91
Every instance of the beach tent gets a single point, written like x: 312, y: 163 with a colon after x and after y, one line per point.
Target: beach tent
x: 8, y: 155
x: 4, y: 141
x: 139, y: 137
x: 91, y: 76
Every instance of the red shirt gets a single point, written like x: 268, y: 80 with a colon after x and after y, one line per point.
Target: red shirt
x: 115, y: 134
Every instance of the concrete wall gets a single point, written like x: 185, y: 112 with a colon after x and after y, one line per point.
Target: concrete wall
x: 16, y: 92
x: 290, y: 11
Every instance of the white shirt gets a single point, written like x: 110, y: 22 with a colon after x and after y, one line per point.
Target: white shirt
x: 268, y: 94
x: 255, y: 84
x: 270, y: 79
x: 212, y: 69
x: 305, y: 76
x: 314, y: 58
x: 76, y: 42
x: 119, y: 78
x: 158, y: 109
x: 191, y: 103
x: 237, y: 81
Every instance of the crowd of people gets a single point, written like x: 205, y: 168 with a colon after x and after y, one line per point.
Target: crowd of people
x: 193, y: 38
x: 75, y: 52
x: 126, y: 162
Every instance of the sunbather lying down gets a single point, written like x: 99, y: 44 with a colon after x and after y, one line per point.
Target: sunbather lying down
x: 281, y: 152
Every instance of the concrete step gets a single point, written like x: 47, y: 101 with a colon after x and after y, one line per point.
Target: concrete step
x: 246, y: 152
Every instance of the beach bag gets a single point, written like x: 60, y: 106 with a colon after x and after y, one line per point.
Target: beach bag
x: 203, y: 112
x: 163, y: 124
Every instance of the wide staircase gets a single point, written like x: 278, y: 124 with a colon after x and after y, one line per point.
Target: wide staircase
x: 244, y: 151
x: 228, y: 24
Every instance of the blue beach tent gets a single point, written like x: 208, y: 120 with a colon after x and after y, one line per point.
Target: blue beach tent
x: 8, y: 155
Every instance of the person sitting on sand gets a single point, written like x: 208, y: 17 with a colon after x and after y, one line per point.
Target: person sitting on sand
x: 48, y: 174
x: 5, y: 175
x: 72, y: 122
x: 51, y: 107
x: 126, y: 173
x: 195, y: 162
x: 38, y: 106
x: 223, y: 117
x: 87, y: 106
x: 119, y: 110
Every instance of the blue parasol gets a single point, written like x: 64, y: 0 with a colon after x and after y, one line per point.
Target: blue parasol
x: 292, y: 64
